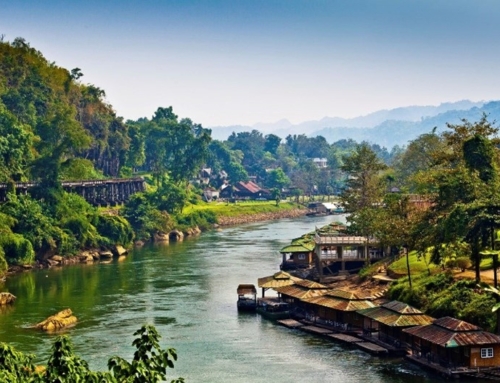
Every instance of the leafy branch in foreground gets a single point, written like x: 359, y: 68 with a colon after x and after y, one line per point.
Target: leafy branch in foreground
x: 149, y: 365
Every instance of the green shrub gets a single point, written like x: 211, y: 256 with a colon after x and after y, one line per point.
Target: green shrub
x: 464, y: 263
x: 17, y: 250
x: 144, y: 218
x: 116, y: 229
x: 79, y: 169
x: 204, y: 219
x: 31, y: 221
x: 85, y: 233
x: 450, y: 263
x: 150, y: 363
x: 441, y: 295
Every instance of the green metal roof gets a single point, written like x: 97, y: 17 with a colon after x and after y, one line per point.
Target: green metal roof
x: 298, y: 248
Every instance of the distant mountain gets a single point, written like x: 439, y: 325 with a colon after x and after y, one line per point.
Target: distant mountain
x: 328, y: 125
x: 399, y: 132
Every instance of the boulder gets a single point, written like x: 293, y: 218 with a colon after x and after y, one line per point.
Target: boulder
x: 57, y: 258
x: 161, y: 237
x: 51, y: 263
x: 86, y: 257
x: 120, y: 250
x: 58, y: 321
x: 193, y: 231
x: 7, y: 298
x: 106, y: 254
x: 176, y: 235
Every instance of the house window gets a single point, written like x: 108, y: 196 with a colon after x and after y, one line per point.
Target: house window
x: 487, y: 352
x: 302, y: 257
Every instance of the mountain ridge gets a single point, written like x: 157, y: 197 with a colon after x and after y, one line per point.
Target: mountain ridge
x: 413, y: 119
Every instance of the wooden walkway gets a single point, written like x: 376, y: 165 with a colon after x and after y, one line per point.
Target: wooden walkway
x: 329, y: 333
x: 290, y: 323
x: 344, y: 338
x: 316, y: 330
x: 372, y: 348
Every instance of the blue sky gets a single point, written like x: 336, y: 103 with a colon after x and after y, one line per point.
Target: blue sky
x: 230, y: 62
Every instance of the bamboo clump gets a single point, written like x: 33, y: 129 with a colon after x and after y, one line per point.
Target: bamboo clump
x: 58, y: 321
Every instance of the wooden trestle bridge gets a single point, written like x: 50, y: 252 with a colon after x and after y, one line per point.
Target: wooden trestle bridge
x: 108, y: 192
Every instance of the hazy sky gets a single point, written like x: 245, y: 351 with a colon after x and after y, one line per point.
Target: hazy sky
x: 242, y: 62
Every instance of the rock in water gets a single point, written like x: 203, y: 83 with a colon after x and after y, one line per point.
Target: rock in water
x: 7, y: 298
x: 58, y: 321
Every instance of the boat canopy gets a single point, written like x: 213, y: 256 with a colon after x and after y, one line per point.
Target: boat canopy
x: 245, y: 289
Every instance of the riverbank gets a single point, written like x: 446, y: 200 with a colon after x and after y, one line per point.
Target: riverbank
x: 242, y: 214
x: 257, y: 217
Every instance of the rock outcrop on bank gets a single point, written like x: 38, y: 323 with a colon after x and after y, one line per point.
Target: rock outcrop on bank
x: 293, y: 213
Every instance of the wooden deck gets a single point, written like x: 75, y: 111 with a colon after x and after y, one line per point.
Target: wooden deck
x: 329, y: 333
x: 372, y: 348
x: 344, y: 338
x: 316, y: 330
x: 391, y: 349
x: 290, y: 323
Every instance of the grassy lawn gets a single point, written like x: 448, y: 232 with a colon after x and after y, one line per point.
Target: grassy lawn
x: 486, y: 263
x: 241, y: 207
x: 417, y: 265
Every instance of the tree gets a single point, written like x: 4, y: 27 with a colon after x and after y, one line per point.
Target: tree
x: 272, y: 143
x: 363, y: 186
x: 176, y: 148
x: 16, y: 142
x: 464, y: 178
x: 277, y: 178
x: 412, y: 165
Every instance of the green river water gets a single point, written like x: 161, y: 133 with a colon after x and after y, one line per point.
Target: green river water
x: 188, y: 291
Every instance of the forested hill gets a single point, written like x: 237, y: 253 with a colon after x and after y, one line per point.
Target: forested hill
x: 54, y: 127
x: 48, y: 119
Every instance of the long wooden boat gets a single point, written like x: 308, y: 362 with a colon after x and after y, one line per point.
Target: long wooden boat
x: 247, y: 297
x: 272, y: 308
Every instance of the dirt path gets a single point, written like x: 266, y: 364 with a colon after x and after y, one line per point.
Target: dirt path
x: 486, y: 276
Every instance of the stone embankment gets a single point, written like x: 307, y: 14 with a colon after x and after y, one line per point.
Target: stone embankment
x: 228, y: 221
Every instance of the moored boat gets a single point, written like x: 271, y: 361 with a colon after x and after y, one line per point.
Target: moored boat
x: 273, y: 308
x: 247, y: 297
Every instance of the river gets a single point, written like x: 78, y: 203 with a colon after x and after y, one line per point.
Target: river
x: 188, y: 291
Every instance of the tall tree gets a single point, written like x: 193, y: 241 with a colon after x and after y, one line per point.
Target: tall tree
x: 465, y: 203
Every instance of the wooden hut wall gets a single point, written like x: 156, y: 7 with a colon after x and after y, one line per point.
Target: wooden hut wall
x: 389, y: 333
x: 369, y: 324
x: 354, y: 319
x: 306, y: 260
x: 475, y: 359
